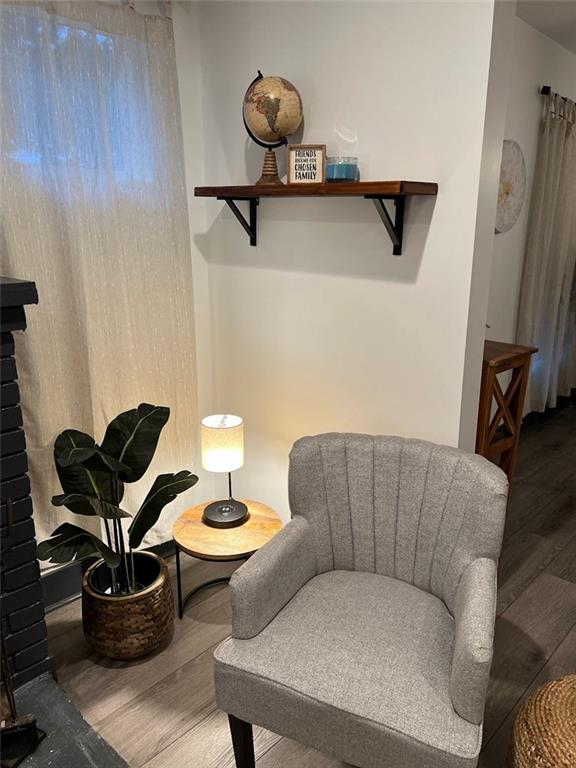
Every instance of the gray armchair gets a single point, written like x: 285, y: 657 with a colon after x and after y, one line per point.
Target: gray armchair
x: 365, y: 627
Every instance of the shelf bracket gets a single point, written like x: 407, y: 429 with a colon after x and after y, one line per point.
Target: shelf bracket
x: 251, y: 225
x: 394, y: 228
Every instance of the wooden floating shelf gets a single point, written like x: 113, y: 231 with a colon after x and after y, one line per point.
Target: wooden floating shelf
x: 377, y: 191
x: 334, y: 189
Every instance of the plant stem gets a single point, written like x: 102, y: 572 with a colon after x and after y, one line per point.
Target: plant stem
x: 132, y: 569
x: 117, y: 539
x: 108, y: 537
x: 112, y: 570
x: 113, y: 580
x: 123, y: 553
x: 119, y: 536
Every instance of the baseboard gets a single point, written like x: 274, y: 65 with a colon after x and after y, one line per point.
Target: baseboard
x: 536, y: 417
x: 165, y: 549
x: 62, y: 585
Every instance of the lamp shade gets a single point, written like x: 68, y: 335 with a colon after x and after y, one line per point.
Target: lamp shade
x: 222, y: 443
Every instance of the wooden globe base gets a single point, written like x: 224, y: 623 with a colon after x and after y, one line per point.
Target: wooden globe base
x: 269, y: 176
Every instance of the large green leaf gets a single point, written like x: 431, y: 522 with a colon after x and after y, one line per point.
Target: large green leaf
x: 101, y: 460
x: 164, y: 490
x: 132, y: 437
x: 69, y: 542
x: 79, y: 478
x: 73, y: 447
x: 82, y: 504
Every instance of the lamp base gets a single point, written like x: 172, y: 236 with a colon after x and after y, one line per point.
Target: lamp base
x: 227, y: 513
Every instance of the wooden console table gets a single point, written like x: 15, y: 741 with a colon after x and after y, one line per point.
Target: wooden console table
x: 497, y: 435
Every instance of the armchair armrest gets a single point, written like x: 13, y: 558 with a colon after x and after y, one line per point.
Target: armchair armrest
x: 271, y: 577
x: 474, y: 614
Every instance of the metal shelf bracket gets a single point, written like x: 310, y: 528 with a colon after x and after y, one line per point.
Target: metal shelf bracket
x: 251, y: 225
x: 395, y: 229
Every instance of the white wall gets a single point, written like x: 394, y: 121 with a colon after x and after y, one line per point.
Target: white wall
x: 497, y: 99
x: 186, y: 24
x: 537, y: 61
x: 320, y: 327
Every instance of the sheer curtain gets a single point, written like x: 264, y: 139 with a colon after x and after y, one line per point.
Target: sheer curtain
x: 547, y: 312
x: 94, y: 210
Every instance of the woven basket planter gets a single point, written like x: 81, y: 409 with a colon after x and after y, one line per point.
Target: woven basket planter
x: 128, y: 626
x: 545, y: 728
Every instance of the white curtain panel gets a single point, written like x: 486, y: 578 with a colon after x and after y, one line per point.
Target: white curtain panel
x: 94, y: 211
x: 547, y: 311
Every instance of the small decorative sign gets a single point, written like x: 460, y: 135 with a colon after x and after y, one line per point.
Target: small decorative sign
x: 306, y: 163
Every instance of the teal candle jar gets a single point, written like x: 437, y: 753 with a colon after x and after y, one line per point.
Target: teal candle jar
x: 342, y: 169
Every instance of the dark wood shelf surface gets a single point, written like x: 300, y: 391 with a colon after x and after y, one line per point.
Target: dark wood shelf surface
x: 335, y: 189
x: 500, y: 353
x: 377, y: 191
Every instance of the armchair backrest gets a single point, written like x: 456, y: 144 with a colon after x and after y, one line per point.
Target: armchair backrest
x: 404, y: 508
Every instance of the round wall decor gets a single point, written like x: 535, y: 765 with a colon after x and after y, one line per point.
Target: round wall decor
x: 512, y: 186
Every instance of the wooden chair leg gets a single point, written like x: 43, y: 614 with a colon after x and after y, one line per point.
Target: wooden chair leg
x: 243, y: 742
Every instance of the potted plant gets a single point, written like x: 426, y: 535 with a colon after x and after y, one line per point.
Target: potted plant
x: 127, y: 605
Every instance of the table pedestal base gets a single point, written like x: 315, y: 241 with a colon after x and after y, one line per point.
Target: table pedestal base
x: 182, y: 601
x: 193, y: 538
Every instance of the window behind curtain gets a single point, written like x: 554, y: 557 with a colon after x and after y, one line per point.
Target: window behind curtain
x: 101, y: 115
x: 94, y: 210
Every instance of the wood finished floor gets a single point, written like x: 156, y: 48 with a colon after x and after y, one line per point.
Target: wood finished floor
x: 160, y: 712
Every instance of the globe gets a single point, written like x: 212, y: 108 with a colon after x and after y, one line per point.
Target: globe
x: 272, y: 110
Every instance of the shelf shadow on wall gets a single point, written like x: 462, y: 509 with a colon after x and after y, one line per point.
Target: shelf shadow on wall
x: 335, y: 236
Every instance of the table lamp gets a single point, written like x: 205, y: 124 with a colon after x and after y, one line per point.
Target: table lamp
x: 222, y: 443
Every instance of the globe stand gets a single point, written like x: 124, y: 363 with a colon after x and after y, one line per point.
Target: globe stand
x: 266, y: 100
x: 269, y: 177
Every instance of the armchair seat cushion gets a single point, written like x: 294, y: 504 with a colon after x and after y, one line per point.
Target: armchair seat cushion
x: 356, y: 665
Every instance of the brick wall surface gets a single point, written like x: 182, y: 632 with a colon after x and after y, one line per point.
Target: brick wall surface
x: 21, y: 600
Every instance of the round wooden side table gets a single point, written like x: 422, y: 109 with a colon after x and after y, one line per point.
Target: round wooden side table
x: 197, y: 539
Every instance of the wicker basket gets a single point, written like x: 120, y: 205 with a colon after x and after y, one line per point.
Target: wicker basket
x: 545, y: 729
x: 128, y: 626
